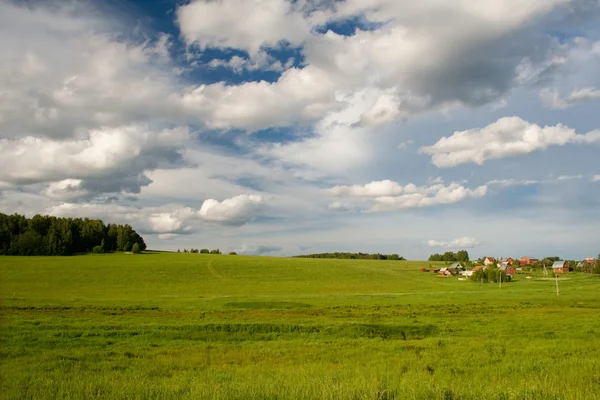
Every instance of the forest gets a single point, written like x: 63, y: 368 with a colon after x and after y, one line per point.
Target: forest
x: 354, y: 256
x: 44, y: 235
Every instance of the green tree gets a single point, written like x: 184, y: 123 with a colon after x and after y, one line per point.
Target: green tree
x: 462, y: 256
x: 135, y: 249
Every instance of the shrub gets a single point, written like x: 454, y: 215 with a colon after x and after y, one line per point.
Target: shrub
x: 136, y: 249
x: 204, y: 251
x: 232, y: 253
x: 97, y: 250
x: 216, y: 251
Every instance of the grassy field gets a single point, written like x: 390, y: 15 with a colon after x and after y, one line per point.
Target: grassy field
x: 189, y: 326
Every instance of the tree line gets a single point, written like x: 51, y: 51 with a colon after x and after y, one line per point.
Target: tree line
x: 203, y: 251
x: 459, y: 256
x: 44, y: 235
x: 354, y: 256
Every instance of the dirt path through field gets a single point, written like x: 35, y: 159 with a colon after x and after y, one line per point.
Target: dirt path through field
x: 213, y: 271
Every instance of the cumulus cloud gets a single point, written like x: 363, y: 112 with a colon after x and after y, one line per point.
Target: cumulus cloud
x: 596, y: 178
x: 234, y: 211
x: 63, y: 71
x: 169, y: 220
x: 391, y: 196
x: 452, y: 193
x: 422, y: 56
x: 373, y: 189
x: 107, y: 160
x: 243, y: 24
x: 459, y: 243
x: 506, y: 137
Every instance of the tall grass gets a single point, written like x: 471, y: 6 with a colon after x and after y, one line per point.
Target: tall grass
x: 188, y: 326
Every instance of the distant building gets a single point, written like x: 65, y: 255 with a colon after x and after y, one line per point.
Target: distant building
x: 477, y: 268
x: 488, y: 261
x: 456, y: 267
x: 560, y: 267
x: 529, y: 260
x: 590, y: 259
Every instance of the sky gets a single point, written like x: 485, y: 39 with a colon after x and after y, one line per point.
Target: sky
x: 277, y: 127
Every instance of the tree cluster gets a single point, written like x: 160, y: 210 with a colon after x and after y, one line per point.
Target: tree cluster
x: 489, y: 274
x: 354, y: 256
x: 459, y: 256
x: 203, y: 251
x: 43, y: 235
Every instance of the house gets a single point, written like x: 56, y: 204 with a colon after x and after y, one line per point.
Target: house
x: 477, y: 268
x: 590, y: 259
x: 528, y: 260
x: 560, y: 267
x: 488, y: 261
x: 456, y: 267
x: 466, y: 273
x: 510, y: 271
x: 508, y: 261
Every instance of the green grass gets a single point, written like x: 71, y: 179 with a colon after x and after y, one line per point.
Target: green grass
x: 189, y: 326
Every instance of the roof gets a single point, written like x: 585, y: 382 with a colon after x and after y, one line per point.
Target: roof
x: 455, y: 265
x: 477, y: 268
x: 559, y: 264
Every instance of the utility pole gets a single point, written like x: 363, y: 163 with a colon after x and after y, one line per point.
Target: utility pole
x: 556, y: 275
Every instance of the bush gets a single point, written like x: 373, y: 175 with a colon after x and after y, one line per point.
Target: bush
x: 216, y: 251
x: 97, y: 250
x: 232, y: 253
x: 136, y: 249
x: 204, y: 251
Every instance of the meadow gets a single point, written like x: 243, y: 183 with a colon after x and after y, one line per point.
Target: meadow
x: 195, y: 326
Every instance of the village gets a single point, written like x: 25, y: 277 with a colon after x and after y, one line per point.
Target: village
x: 510, y: 266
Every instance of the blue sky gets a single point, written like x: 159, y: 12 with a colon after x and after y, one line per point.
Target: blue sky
x: 277, y: 127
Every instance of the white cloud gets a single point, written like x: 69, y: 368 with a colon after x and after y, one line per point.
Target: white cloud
x: 553, y: 99
x: 261, y: 61
x: 167, y: 236
x: 171, y: 219
x: 243, y: 24
x: 452, y: 193
x: 596, y: 178
x: 64, y: 71
x: 340, y: 206
x: 66, y: 190
x: 391, y: 196
x: 373, y: 189
x: 506, y: 137
x: 569, y: 177
x: 107, y: 160
x: 512, y: 182
x: 234, y: 211
x: 459, y: 243
x: 164, y: 222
